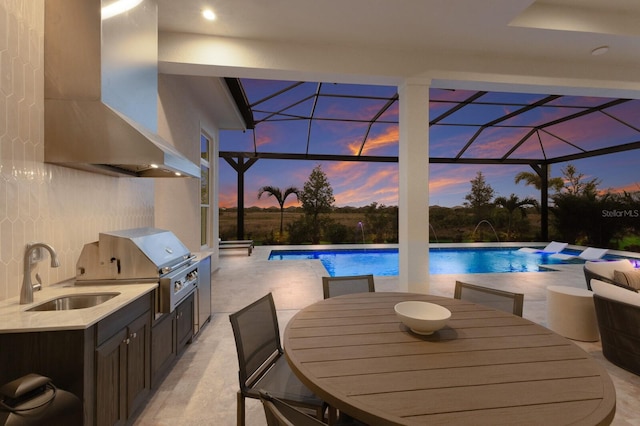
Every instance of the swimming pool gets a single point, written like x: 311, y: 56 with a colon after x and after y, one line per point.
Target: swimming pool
x: 341, y: 262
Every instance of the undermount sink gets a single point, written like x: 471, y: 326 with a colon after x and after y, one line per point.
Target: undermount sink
x: 74, y: 301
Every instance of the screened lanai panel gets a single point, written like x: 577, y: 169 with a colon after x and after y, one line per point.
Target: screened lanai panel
x: 336, y: 137
x: 282, y: 136
x: 580, y: 101
x: 494, y: 142
x: 273, y: 94
x: 438, y: 110
x: 282, y: 102
x: 351, y: 120
x: 299, y: 110
x: 391, y: 114
x: 347, y: 109
x: 594, y: 131
x: 504, y: 98
x: 628, y: 112
x: 358, y: 90
x: 450, y: 95
x: 540, y: 116
x: 543, y: 145
x: 382, y: 140
x: 234, y: 140
x: 447, y: 141
x: 478, y: 114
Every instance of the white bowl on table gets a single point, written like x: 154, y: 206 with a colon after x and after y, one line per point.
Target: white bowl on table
x: 422, y: 317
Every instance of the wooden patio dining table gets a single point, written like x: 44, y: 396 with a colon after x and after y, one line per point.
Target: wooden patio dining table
x: 485, y: 367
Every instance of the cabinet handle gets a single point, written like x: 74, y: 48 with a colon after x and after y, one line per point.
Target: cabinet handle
x: 127, y: 340
x: 134, y: 335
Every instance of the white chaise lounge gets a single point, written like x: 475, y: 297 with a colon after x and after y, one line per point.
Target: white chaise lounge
x: 552, y: 247
x: 590, y: 253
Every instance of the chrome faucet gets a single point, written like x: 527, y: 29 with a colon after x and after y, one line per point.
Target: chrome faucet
x: 26, y: 293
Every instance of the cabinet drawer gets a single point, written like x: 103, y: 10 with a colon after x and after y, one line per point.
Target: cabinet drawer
x: 114, y: 323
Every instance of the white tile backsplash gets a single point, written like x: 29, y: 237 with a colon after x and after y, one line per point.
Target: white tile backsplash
x: 64, y: 207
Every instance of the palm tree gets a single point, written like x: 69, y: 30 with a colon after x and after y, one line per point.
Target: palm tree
x: 514, y: 203
x: 533, y: 179
x: 279, y: 196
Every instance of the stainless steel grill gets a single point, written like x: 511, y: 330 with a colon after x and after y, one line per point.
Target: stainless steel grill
x: 140, y: 255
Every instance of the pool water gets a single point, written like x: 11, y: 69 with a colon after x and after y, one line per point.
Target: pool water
x: 341, y: 262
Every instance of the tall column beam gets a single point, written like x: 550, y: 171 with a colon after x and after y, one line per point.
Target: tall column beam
x: 413, y: 159
x: 240, y: 167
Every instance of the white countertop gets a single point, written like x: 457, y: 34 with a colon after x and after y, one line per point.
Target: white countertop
x: 14, y: 318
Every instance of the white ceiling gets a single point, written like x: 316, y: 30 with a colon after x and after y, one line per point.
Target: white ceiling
x: 546, y: 43
x: 523, y: 28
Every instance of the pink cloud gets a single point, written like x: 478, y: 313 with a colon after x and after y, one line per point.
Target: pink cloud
x: 390, y: 137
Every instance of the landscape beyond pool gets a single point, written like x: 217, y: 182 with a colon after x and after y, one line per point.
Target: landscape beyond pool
x: 341, y: 262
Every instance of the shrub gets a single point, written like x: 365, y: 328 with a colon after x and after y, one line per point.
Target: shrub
x: 336, y: 233
x: 299, y: 231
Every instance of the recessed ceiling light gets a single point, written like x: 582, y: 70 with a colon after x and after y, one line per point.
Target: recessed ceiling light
x: 208, y: 14
x: 600, y: 50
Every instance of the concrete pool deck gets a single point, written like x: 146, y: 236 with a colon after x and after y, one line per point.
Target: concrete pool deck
x: 201, y: 388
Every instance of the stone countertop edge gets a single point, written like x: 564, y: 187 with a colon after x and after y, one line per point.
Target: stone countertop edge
x: 14, y: 317
x: 201, y: 255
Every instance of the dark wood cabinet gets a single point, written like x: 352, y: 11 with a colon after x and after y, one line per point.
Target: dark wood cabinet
x: 122, y: 365
x: 163, y: 346
x: 170, y: 334
x: 184, y: 322
x: 110, y: 381
x: 106, y: 365
x: 112, y: 365
x: 138, y: 368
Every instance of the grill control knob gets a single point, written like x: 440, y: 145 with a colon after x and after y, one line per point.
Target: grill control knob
x: 177, y: 286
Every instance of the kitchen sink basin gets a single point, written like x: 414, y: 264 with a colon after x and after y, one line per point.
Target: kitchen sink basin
x: 74, y: 301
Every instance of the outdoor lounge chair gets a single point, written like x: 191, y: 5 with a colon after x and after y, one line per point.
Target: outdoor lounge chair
x: 237, y: 244
x: 607, y: 271
x: 337, y: 286
x: 497, y: 299
x: 552, y: 247
x: 618, y: 314
x: 590, y: 253
x: 261, y: 360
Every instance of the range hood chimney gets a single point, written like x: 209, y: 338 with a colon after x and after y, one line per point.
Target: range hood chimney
x: 101, y: 90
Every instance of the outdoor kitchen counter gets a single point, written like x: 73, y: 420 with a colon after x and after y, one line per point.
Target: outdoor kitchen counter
x: 14, y: 318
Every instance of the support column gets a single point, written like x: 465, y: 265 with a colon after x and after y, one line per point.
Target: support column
x: 413, y: 168
x: 241, y: 167
x: 543, y: 171
x: 544, y: 202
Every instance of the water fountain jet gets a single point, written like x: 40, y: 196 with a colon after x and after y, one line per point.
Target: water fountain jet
x: 490, y: 225
x: 361, y: 226
x: 434, y: 232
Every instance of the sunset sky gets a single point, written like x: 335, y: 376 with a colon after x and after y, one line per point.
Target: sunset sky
x: 282, y: 129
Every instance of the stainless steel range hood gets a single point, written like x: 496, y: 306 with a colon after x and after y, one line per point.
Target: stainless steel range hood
x: 101, y: 91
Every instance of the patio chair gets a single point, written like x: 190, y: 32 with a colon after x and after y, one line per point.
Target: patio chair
x: 497, y: 299
x: 337, y: 286
x: 261, y: 361
x: 552, y: 247
x: 590, y: 253
x: 618, y: 314
x: 279, y: 413
x: 607, y: 272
